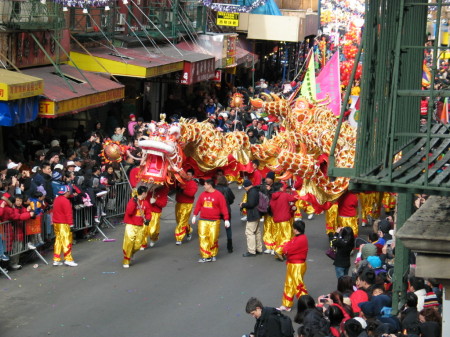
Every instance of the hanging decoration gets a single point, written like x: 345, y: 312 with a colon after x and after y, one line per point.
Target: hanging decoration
x: 83, y: 3
x: 232, y: 8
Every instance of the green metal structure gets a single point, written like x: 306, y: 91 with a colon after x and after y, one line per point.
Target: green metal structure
x: 30, y: 15
x: 395, y: 151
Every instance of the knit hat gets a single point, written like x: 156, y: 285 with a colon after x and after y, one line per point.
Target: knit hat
x: 431, y: 300
x: 374, y: 261
x: 271, y: 175
x: 373, y: 307
x: 132, y: 116
x: 247, y: 183
x: 369, y: 249
x: 56, y: 175
x: 54, y: 143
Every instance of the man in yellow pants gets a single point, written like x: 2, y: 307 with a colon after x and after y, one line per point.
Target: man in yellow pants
x: 211, y: 207
x: 137, y: 213
x: 62, y: 223
x: 185, y: 199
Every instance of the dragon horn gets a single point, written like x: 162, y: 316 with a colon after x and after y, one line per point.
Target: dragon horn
x: 267, y: 96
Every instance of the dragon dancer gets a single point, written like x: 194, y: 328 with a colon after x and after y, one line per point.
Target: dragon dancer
x: 185, y: 199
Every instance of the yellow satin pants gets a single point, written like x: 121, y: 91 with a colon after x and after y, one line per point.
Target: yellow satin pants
x: 63, y: 242
x: 370, y: 205
x: 269, y: 232
x: 284, y: 234
x: 331, y: 219
x: 182, y: 214
x: 152, y: 229
x: 350, y: 221
x: 294, y: 284
x: 389, y: 201
x: 132, y: 240
x: 208, y: 237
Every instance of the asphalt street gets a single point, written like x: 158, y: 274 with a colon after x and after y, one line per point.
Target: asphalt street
x: 165, y: 293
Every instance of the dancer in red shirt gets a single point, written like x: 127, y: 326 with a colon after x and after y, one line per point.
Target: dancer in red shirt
x: 62, y: 223
x: 296, y: 252
x: 348, y: 211
x: 212, y: 206
x: 158, y: 200
x: 137, y: 213
x: 185, y: 200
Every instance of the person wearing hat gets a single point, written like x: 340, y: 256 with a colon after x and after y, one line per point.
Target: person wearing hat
x: 40, y: 157
x: 269, y: 227
x: 131, y: 124
x: 184, y: 197
x: 253, y: 231
x: 365, y: 279
x: 62, y: 224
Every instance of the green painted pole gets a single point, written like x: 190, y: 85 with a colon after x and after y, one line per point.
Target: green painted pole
x: 401, y: 270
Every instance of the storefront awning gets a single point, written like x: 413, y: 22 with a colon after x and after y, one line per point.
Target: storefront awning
x: 59, y: 98
x: 134, y: 62
x: 245, y: 58
x: 14, y: 85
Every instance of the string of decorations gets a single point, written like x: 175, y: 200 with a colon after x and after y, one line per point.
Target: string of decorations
x: 83, y: 3
x: 232, y: 8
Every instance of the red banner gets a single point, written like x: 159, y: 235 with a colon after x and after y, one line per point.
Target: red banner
x: 199, y: 71
x: 33, y: 226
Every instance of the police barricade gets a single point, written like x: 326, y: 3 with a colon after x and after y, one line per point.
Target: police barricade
x: 17, y: 237
x: 83, y: 218
x: 117, y: 199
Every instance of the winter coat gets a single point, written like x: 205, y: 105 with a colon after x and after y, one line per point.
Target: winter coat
x: 267, y: 325
x: 252, y: 204
x: 281, y: 207
x: 343, y: 251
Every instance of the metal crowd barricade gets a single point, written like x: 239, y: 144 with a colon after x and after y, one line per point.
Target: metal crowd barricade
x: 15, y: 236
x: 83, y: 218
x: 117, y: 199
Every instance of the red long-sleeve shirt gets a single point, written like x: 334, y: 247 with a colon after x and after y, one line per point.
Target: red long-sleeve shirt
x: 161, y: 196
x: 280, y: 207
x: 211, y: 206
x: 256, y: 178
x: 348, y: 205
x: 133, y: 215
x: 186, y: 195
x: 62, y: 210
x: 296, y: 250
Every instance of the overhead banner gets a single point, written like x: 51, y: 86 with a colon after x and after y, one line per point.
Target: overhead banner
x: 329, y: 84
x: 227, y: 19
x: 199, y: 71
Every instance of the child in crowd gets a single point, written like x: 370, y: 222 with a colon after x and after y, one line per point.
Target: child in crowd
x: 37, y: 205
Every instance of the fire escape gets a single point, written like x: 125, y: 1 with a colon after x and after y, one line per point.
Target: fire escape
x: 394, y: 151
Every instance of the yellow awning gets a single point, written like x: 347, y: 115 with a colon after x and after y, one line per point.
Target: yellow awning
x: 134, y: 62
x: 14, y: 85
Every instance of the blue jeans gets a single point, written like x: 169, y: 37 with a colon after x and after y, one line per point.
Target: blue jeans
x: 341, y: 271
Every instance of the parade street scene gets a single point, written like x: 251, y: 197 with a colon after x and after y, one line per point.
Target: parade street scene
x: 257, y: 168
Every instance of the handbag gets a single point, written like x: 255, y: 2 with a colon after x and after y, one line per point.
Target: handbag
x: 331, y: 252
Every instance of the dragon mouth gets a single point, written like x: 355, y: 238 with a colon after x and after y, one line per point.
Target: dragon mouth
x: 156, y: 165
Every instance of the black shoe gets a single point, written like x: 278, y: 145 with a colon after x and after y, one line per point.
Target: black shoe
x: 259, y: 253
x: 248, y: 254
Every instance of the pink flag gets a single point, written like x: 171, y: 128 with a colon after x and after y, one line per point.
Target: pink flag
x: 329, y: 83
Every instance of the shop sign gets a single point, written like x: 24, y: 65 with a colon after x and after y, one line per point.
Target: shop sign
x: 227, y: 19
x: 230, y: 47
x: 200, y: 71
x: 50, y: 109
x: 218, y: 76
x: 9, y: 92
x: 164, y: 69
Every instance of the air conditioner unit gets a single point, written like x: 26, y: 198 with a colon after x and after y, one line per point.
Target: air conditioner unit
x: 121, y: 20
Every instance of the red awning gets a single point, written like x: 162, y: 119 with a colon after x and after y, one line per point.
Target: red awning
x: 59, y: 98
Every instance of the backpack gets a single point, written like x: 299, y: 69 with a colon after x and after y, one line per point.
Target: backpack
x: 263, y: 203
x: 286, y: 328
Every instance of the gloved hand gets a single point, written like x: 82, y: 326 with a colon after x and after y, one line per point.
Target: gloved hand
x: 152, y: 200
x: 227, y: 224
x: 194, y: 219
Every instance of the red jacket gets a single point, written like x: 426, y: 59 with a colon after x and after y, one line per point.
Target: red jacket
x: 212, y: 206
x: 348, y: 205
x: 161, y: 196
x: 280, y: 207
x: 186, y: 192
x: 21, y: 214
x: 62, y: 210
x: 133, y: 215
x: 296, y: 250
x: 256, y: 178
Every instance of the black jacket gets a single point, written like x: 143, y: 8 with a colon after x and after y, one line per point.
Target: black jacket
x: 252, y: 204
x: 343, y: 251
x: 410, y: 318
x: 267, y: 325
x: 228, y: 194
